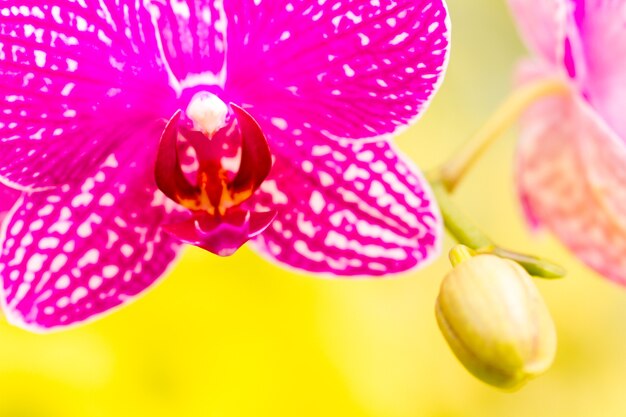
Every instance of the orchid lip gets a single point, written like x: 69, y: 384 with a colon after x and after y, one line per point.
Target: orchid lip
x: 222, y: 236
x: 215, y: 197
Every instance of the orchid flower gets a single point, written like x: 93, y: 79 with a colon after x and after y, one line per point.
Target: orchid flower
x: 572, y: 154
x: 132, y: 126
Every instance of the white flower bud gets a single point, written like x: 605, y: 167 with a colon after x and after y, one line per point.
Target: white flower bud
x: 495, y: 321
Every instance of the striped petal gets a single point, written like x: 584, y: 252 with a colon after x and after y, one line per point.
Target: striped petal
x: 572, y: 178
x: 350, y: 69
x: 348, y: 209
x: 193, y: 39
x: 72, y: 253
x: 71, y: 73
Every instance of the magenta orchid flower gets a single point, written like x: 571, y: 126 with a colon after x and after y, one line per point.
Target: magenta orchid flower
x: 572, y: 156
x: 131, y: 126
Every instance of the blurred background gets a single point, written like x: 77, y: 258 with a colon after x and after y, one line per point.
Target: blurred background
x: 241, y: 337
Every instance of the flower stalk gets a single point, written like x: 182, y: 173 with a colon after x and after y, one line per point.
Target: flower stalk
x: 453, y: 170
x: 445, y: 178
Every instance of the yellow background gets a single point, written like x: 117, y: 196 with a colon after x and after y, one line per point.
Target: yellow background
x: 242, y: 337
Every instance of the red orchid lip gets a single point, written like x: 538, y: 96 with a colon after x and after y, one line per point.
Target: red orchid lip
x: 224, y: 235
x: 214, y: 200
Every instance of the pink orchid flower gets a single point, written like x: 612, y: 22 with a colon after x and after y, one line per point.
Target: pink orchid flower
x: 102, y: 96
x: 572, y: 155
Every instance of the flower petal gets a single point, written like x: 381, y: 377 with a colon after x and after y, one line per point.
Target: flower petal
x: 543, y: 26
x: 572, y: 177
x: 193, y: 39
x: 75, y: 252
x: 347, y: 208
x: 8, y: 198
x: 351, y: 69
x: 604, y: 42
x: 70, y: 71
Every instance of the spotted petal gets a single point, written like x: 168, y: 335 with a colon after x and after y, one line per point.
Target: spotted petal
x: 572, y: 177
x: 70, y: 73
x: 75, y: 252
x: 352, y: 69
x: 348, y: 209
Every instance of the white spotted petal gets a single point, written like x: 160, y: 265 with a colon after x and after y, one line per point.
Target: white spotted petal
x: 350, y: 209
x: 72, y: 72
x: 357, y: 69
x: 75, y: 252
x: 351, y: 69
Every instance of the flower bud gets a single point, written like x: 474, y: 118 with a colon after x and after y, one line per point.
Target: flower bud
x: 495, y: 320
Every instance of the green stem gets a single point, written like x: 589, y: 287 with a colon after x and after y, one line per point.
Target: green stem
x: 467, y: 233
x: 509, y: 111
x: 533, y: 265
x: 445, y: 179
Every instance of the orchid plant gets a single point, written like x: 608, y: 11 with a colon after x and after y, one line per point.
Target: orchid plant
x: 129, y: 127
